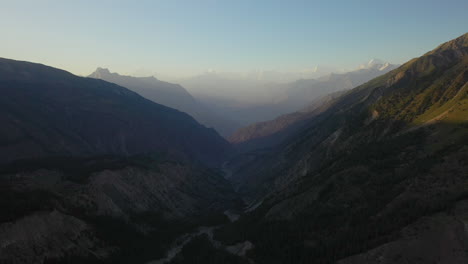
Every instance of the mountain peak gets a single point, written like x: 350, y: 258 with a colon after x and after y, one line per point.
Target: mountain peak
x: 100, y: 72
x: 103, y: 70
x: 385, y: 66
x: 375, y: 61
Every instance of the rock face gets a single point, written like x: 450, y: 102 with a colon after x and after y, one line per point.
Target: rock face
x: 104, y: 209
x: 168, y: 94
x: 49, y: 112
x: 377, y: 160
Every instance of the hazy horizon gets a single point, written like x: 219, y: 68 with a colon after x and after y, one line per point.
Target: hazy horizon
x: 179, y: 39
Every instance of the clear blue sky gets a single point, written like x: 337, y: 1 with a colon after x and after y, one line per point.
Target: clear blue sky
x: 186, y: 37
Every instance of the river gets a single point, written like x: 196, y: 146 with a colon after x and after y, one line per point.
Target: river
x: 239, y: 249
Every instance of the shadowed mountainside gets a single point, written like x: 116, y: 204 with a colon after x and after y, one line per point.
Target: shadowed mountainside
x: 93, y: 172
x: 50, y: 112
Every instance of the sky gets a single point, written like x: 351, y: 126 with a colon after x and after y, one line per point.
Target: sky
x: 183, y: 38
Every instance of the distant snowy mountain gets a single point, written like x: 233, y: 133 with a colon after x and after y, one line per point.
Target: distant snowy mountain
x: 377, y: 64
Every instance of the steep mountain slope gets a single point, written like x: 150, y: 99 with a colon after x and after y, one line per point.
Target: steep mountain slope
x: 271, y: 133
x: 363, y: 174
x: 168, y: 94
x: 50, y: 112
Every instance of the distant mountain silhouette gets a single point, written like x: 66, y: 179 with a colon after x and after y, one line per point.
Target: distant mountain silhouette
x: 168, y: 94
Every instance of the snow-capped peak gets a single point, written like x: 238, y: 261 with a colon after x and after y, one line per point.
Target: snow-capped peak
x: 375, y: 64
x: 385, y: 66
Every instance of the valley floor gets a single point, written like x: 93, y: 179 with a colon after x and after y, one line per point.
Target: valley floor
x: 176, y: 250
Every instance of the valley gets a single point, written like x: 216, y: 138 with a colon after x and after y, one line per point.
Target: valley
x: 260, y: 141
x: 183, y: 240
